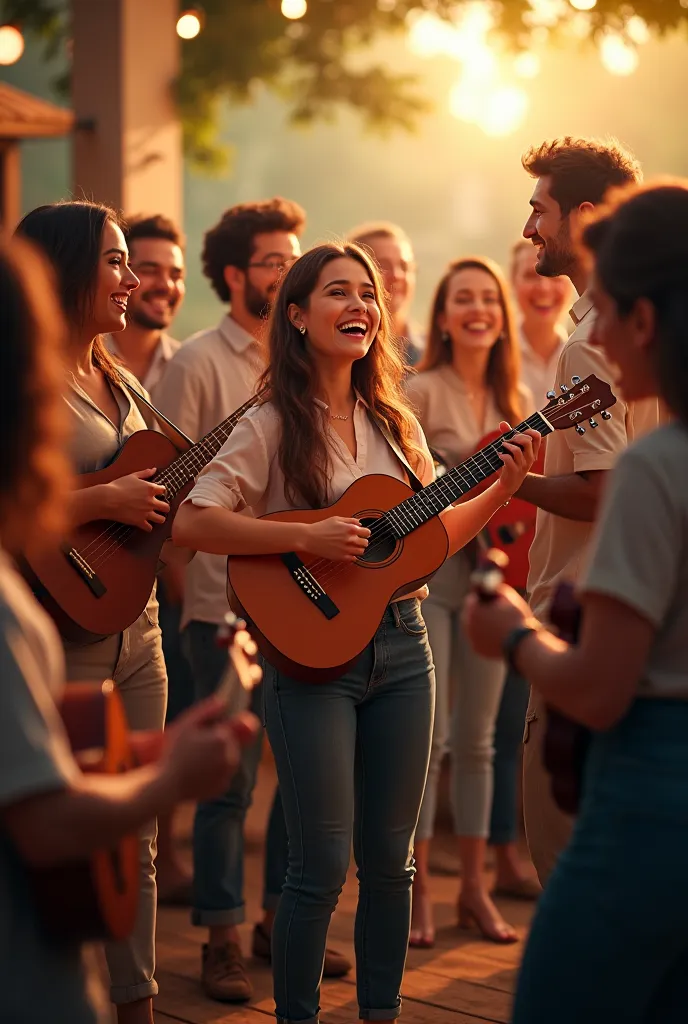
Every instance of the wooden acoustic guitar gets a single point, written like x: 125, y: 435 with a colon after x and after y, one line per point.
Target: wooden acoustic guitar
x: 97, y: 898
x: 99, y: 579
x: 312, y: 617
x: 565, y: 743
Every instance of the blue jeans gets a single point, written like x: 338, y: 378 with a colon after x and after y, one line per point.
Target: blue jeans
x: 218, y: 834
x: 352, y: 758
x: 508, y: 739
x: 609, y: 940
x: 180, y: 683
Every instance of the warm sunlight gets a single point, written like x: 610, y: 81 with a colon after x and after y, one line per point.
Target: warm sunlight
x: 618, y: 56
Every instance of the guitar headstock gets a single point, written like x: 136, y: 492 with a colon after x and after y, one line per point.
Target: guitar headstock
x: 243, y: 654
x: 581, y: 402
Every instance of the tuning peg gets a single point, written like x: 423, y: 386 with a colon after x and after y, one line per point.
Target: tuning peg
x: 606, y: 415
x: 564, y: 389
x: 575, y: 380
x: 580, y: 429
x: 593, y: 423
x: 551, y: 395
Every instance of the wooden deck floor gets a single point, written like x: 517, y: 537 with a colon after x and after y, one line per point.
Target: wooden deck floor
x: 463, y: 980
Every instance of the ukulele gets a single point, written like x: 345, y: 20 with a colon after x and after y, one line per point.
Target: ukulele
x: 98, y: 580
x: 312, y: 617
x: 97, y: 898
x: 565, y: 743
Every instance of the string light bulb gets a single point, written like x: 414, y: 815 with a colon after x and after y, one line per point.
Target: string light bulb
x: 11, y: 44
x: 294, y: 9
x: 189, y: 24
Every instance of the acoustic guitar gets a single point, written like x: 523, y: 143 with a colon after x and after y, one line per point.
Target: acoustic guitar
x: 312, y: 617
x: 99, y: 579
x: 565, y: 743
x: 97, y: 898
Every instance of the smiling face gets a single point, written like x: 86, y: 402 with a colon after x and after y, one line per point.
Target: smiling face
x: 473, y: 316
x: 115, y: 281
x: 550, y: 232
x: 343, y: 315
x: 540, y: 299
x: 159, y: 265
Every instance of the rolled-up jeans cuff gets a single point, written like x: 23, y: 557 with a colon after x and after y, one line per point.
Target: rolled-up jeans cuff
x: 122, y: 994
x: 288, y: 1020
x: 209, y: 918
x: 380, y: 1014
x: 271, y: 900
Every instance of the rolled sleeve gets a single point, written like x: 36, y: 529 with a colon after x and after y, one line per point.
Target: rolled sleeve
x: 633, y: 555
x: 596, y: 449
x: 238, y: 476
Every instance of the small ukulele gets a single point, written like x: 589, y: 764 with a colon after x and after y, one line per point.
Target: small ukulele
x: 312, y: 617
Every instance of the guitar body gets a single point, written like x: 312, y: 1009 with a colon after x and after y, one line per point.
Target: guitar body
x: 95, y: 898
x: 566, y: 742
x: 93, y: 585
x: 512, y: 528
x: 294, y: 632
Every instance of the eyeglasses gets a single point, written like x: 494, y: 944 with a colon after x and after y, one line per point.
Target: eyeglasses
x: 278, y: 265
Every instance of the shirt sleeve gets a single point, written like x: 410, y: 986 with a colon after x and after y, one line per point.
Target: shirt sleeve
x: 634, y: 550
x: 34, y: 752
x: 595, y: 449
x: 418, y: 396
x: 179, y: 395
x: 238, y: 476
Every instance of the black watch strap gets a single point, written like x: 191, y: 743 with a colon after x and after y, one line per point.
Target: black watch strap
x: 512, y: 642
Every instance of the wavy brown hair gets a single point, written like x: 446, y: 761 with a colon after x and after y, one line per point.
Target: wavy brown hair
x: 504, y: 364
x: 34, y: 471
x: 293, y: 380
x: 70, y: 233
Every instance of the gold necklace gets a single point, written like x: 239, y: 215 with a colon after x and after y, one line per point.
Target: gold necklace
x: 338, y: 416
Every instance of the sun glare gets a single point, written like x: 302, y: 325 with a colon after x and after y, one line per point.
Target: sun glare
x: 618, y: 56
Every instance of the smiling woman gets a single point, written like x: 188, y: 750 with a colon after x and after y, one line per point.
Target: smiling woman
x: 85, y: 244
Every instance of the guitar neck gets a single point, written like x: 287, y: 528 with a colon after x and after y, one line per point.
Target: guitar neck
x: 190, y: 463
x: 455, y: 483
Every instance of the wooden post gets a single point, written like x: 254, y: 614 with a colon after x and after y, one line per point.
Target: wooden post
x: 127, y: 149
x: 10, y: 184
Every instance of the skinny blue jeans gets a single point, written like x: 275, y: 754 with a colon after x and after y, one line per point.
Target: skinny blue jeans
x: 218, y: 832
x: 609, y: 941
x: 508, y: 740
x: 352, y: 759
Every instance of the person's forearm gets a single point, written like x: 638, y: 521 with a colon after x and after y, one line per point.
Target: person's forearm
x: 94, y: 813
x: 464, y: 521
x: 89, y: 503
x: 221, y: 532
x: 573, y: 496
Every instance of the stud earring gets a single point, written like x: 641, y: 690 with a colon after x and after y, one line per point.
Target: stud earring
x: 446, y: 339
x: 302, y: 329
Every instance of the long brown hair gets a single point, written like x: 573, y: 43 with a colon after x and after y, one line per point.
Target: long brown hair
x: 504, y: 365
x: 292, y: 378
x: 70, y: 233
x: 34, y: 471
x: 640, y: 243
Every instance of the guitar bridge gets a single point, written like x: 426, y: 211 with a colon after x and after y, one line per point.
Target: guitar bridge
x: 309, y: 585
x: 88, y: 575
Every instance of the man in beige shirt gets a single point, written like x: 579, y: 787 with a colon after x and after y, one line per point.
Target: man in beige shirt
x: 573, y: 176
x: 213, y: 374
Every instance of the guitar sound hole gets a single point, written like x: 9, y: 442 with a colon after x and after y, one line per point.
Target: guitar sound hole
x: 381, y: 545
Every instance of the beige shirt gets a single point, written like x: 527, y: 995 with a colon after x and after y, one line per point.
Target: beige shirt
x: 539, y: 375
x: 166, y: 348
x: 560, y: 545
x: 441, y: 401
x: 640, y: 551
x: 212, y: 374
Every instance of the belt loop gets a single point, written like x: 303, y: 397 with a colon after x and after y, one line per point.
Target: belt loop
x: 395, y: 613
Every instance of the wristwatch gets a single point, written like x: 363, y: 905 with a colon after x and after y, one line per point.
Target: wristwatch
x: 512, y: 642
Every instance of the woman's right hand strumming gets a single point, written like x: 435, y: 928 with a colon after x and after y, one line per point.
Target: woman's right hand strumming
x: 336, y: 538
x: 137, y: 501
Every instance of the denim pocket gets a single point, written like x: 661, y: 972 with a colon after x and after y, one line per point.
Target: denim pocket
x: 410, y: 618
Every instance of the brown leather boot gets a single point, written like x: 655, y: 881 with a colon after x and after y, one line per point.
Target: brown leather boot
x: 336, y: 964
x: 223, y: 974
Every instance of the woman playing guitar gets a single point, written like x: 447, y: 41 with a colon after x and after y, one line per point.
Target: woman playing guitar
x: 351, y: 754
x: 50, y: 813
x: 467, y: 382
x: 85, y: 244
x: 609, y: 937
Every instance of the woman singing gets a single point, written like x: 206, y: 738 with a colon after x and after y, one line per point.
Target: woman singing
x: 609, y: 938
x: 351, y: 754
x: 467, y: 383
x: 85, y: 244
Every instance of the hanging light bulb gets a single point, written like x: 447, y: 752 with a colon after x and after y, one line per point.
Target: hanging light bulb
x: 189, y: 24
x: 294, y: 9
x: 11, y: 44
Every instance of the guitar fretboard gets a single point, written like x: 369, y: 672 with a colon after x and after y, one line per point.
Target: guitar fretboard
x: 441, y: 493
x: 189, y: 464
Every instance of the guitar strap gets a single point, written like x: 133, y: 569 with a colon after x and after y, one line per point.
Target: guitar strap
x: 413, y: 479
x: 166, y: 424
